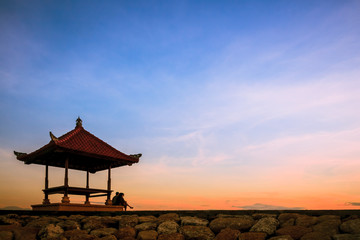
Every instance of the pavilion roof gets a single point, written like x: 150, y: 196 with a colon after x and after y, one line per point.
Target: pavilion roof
x: 84, y: 151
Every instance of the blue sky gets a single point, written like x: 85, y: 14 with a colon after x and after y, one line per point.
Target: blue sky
x: 235, y: 89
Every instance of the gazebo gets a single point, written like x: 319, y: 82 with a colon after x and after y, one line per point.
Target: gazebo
x: 78, y: 150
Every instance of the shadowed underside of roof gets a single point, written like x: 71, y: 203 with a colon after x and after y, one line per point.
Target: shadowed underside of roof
x: 83, y: 150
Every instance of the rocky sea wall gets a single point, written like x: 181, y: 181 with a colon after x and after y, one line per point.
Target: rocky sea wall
x: 181, y: 225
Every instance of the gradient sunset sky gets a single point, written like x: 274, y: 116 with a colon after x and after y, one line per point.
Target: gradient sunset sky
x: 233, y: 104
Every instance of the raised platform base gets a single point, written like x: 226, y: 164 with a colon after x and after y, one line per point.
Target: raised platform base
x: 76, y: 207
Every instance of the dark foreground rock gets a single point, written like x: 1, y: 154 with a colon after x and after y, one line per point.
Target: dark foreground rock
x: 181, y: 226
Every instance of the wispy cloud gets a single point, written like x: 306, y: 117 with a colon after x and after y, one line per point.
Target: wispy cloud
x: 261, y: 206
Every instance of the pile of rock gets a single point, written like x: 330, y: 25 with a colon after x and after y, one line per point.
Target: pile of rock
x: 172, y: 226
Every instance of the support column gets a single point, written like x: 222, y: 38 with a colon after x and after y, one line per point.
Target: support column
x: 66, y: 199
x: 108, y: 200
x: 46, y: 199
x: 87, y: 186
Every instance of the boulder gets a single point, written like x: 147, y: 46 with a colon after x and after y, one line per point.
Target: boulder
x: 42, y: 222
x: 102, y: 232
x: 171, y: 236
x: 169, y: 217
x: 77, y: 234
x: 68, y: 225
x: 346, y: 237
x: 168, y: 227
x: 241, y: 223
x: 109, y: 237
x: 325, y: 218
x: 283, y: 237
x: 306, y: 221
x: 316, y: 236
x: 194, y: 221
x: 197, y: 232
x: 143, y: 219
x: 330, y: 227
x: 25, y: 233
x: 252, y: 236
x: 228, y: 234
x: 128, y: 221
x: 258, y: 216
x: 10, y: 220
x: 267, y: 225
x: 296, y: 232
x: 50, y: 232
x: 147, y: 235
x: 146, y: 226
x: 6, y: 235
x: 287, y: 219
x: 126, y: 232
x: 92, y: 223
x: 351, y: 226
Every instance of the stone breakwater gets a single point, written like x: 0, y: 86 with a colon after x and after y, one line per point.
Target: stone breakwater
x: 178, y: 225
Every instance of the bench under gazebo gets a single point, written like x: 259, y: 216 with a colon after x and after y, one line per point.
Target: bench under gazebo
x: 78, y: 150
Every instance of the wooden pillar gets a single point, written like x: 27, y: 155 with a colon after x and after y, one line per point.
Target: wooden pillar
x: 66, y: 199
x: 87, y: 186
x: 46, y: 199
x: 108, y: 200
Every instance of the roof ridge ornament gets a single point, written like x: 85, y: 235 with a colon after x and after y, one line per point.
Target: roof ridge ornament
x: 78, y: 122
x: 52, y: 136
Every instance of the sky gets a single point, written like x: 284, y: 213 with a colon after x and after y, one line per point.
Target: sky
x: 233, y: 104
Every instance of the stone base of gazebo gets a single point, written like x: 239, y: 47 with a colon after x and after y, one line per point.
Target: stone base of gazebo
x: 76, y: 207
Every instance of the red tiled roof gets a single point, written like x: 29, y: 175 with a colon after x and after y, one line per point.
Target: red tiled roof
x: 86, y: 150
x: 82, y: 141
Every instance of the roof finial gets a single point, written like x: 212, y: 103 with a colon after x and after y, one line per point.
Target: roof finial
x: 78, y: 122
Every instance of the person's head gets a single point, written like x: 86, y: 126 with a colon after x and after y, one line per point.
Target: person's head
x: 121, y: 194
x: 117, y: 193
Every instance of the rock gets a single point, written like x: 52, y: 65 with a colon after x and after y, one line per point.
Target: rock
x: 267, y: 225
x: 77, y: 218
x: 241, y: 223
x: 330, y: 227
x: 287, y: 219
x: 128, y: 221
x: 102, y: 232
x: 51, y: 232
x: 143, y: 219
x: 346, y: 237
x: 194, y: 221
x: 316, y: 236
x: 171, y: 236
x: 109, y: 237
x: 169, y: 217
x: 69, y: 225
x: 296, y: 232
x: 258, y: 216
x: 147, y: 235
x: 77, y: 234
x: 6, y: 220
x: 306, y: 221
x: 252, y: 236
x: 92, y: 223
x: 146, y: 226
x: 168, y: 227
x: 325, y: 218
x: 126, y: 232
x: 228, y: 234
x: 25, y: 233
x: 197, y: 232
x: 351, y: 226
x: 6, y: 235
x: 42, y: 222
x: 283, y: 237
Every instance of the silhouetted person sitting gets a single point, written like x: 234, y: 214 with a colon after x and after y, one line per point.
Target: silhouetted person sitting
x: 114, y: 202
x: 118, y: 199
